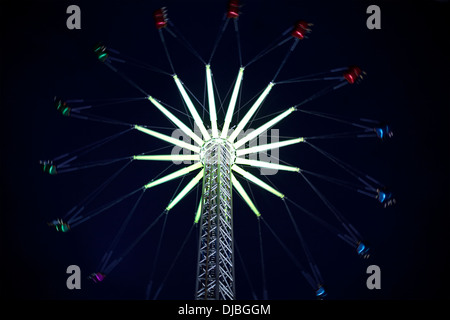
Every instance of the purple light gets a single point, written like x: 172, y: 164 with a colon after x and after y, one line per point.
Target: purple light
x: 99, y: 276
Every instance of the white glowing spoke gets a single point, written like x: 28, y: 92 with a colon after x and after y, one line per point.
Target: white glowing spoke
x: 250, y: 113
x: 232, y: 105
x: 264, y: 127
x: 268, y: 165
x: 173, y: 175
x: 244, y: 195
x: 212, y: 104
x: 166, y: 138
x: 257, y: 181
x: 176, y: 121
x: 268, y: 146
x: 198, y: 121
x: 169, y: 157
x: 186, y: 190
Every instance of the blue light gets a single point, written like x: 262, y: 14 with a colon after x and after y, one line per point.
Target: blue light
x: 381, y: 196
x: 363, y: 250
x: 379, y: 132
x: 320, y: 292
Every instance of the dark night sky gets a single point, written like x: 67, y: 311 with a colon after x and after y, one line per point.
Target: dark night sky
x: 407, y: 85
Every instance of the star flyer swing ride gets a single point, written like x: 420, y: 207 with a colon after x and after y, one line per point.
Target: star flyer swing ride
x: 219, y: 157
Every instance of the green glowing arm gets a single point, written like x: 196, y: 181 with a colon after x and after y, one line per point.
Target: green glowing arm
x: 173, y: 175
x: 244, y: 195
x: 198, y: 214
x: 168, y: 157
x: 232, y: 105
x: 263, y: 164
x: 186, y: 190
x: 198, y: 121
x: 176, y: 121
x: 268, y: 146
x: 250, y: 113
x: 264, y: 127
x: 212, y: 104
x: 166, y: 138
x: 257, y: 181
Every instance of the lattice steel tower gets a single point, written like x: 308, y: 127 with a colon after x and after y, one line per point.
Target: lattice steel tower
x: 215, y: 273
